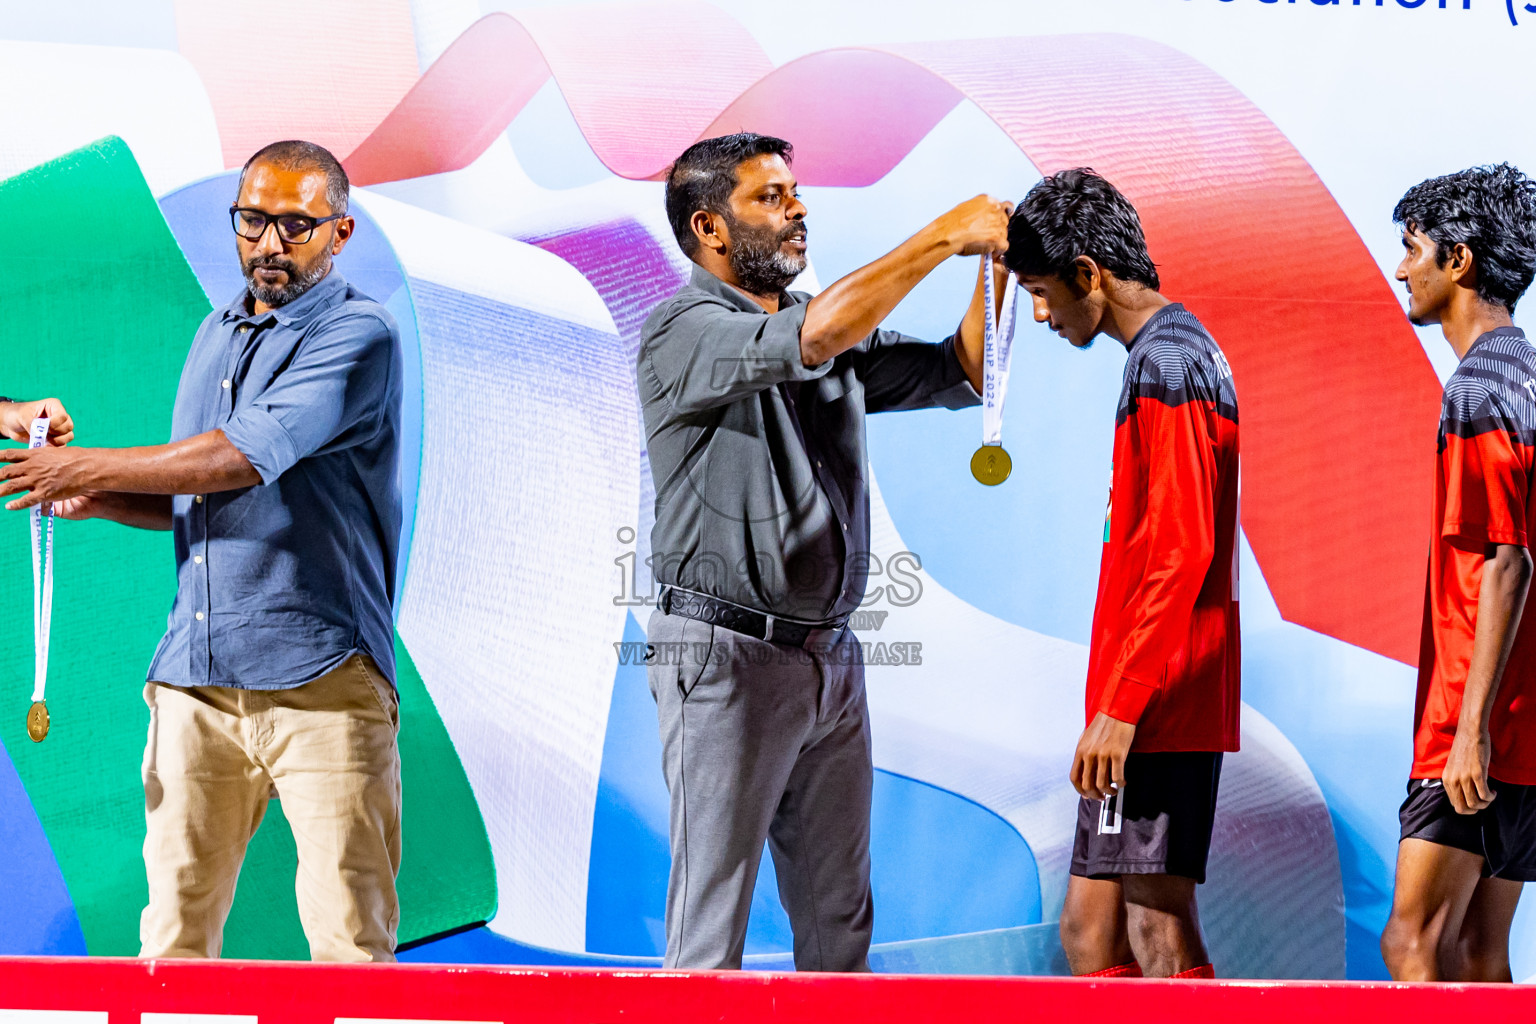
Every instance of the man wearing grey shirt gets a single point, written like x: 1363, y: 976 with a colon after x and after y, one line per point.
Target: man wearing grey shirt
x: 754, y: 401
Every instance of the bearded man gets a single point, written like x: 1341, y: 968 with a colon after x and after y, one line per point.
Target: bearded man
x: 754, y: 401
x: 276, y: 673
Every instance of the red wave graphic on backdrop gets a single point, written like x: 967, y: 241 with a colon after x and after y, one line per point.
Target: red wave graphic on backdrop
x: 642, y: 80
x: 326, y: 71
x: 1339, y: 401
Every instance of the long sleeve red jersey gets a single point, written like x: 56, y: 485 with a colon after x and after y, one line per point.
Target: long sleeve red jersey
x: 1165, y: 652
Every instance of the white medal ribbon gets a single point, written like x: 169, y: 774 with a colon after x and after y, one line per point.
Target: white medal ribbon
x: 42, y: 575
x: 997, y: 354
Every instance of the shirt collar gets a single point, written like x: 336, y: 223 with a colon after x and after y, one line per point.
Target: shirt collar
x: 1161, y: 314
x: 707, y: 282
x: 297, y: 313
x: 1498, y: 332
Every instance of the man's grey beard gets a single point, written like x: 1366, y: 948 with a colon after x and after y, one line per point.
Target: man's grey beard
x: 758, y: 258
x: 299, y: 282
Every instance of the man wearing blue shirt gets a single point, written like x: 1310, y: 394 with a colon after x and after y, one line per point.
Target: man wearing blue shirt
x: 275, y: 675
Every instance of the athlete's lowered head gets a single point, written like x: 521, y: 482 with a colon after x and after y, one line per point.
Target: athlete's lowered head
x: 735, y: 209
x: 1077, y: 247
x: 1469, y: 249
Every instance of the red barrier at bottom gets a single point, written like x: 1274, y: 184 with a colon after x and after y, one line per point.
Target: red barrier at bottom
x: 107, y: 991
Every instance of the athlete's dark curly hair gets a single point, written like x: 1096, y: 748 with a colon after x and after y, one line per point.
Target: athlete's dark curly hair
x: 1078, y: 213
x: 1490, y: 210
x: 704, y: 177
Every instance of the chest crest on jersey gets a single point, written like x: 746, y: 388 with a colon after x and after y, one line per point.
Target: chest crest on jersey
x: 1109, y: 505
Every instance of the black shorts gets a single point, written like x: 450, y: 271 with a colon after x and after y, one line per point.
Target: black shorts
x: 1503, y: 833
x: 1165, y: 824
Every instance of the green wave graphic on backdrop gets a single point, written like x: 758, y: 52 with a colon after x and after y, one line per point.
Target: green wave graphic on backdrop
x: 98, y: 308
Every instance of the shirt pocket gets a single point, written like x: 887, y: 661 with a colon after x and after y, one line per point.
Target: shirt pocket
x: 832, y: 388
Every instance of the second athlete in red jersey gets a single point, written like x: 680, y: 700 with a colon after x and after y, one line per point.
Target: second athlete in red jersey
x: 1483, y: 496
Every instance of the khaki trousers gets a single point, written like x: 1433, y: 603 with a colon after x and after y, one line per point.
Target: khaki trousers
x: 217, y: 754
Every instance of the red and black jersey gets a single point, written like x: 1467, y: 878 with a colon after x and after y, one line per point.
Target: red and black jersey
x: 1483, y: 497
x: 1165, y: 647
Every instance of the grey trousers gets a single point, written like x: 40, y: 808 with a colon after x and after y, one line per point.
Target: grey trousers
x: 762, y: 742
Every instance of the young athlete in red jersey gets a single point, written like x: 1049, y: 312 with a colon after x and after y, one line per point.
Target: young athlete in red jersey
x: 1162, y: 697
x: 1469, y: 823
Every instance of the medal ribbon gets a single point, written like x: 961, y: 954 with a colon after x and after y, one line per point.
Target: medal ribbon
x: 42, y: 575
x: 997, y: 354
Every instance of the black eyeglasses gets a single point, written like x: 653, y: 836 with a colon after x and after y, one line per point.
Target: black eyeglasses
x: 294, y: 228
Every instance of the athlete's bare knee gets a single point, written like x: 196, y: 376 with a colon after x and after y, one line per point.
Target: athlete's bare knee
x: 1164, y: 924
x: 1092, y: 925
x: 1160, y: 931
x: 1411, y: 951
x: 1482, y: 957
x: 1486, y: 967
x: 1085, y: 935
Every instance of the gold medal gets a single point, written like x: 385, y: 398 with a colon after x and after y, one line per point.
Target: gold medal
x: 37, y: 721
x: 991, y: 465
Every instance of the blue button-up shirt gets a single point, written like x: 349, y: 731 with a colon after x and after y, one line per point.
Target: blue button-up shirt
x: 279, y: 583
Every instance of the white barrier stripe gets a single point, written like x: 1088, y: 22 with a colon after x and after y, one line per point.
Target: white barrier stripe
x: 52, y: 1017
x: 196, y: 1018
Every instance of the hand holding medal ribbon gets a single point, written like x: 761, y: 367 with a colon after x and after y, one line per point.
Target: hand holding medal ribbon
x: 42, y: 597
x: 991, y: 464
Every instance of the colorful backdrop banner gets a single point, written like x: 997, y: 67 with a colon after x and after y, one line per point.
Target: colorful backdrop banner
x: 506, y: 160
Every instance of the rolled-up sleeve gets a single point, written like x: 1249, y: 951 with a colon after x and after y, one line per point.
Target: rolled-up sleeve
x: 900, y: 372
x: 330, y: 396
x: 705, y: 354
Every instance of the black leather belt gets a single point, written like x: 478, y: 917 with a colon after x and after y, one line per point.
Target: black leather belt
x: 703, y: 608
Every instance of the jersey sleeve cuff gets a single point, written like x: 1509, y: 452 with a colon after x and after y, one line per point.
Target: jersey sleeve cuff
x: 1126, y: 699
x: 1479, y: 533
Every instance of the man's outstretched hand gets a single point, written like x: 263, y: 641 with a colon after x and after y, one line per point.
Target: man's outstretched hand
x: 16, y: 420
x: 977, y: 226
x: 1098, y: 767
x: 44, y: 474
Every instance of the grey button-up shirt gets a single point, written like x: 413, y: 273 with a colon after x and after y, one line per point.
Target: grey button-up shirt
x: 279, y: 583
x: 758, y: 460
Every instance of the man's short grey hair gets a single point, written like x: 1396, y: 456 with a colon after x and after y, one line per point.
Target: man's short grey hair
x: 298, y: 155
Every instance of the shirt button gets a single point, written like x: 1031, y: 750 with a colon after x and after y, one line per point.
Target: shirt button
x: 845, y: 527
x: 198, y: 499
x: 197, y: 559
x: 199, y: 616
x: 226, y: 385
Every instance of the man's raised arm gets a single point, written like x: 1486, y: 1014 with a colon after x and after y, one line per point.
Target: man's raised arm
x: 850, y: 309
